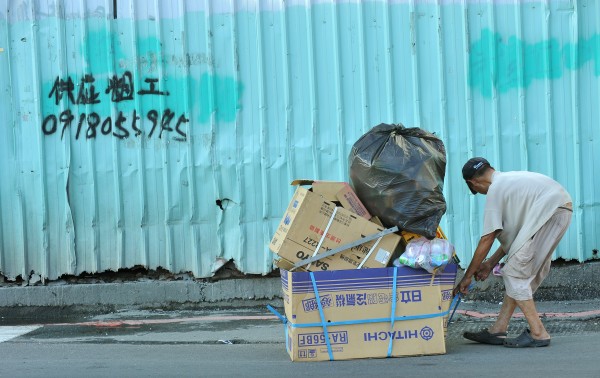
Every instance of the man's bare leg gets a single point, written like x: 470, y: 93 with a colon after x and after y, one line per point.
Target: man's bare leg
x: 506, y: 311
x: 538, y: 331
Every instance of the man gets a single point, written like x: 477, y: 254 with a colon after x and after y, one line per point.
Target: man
x: 528, y: 213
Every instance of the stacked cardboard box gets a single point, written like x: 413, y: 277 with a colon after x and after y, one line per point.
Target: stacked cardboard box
x: 356, y: 310
x: 354, y: 319
x: 314, y: 224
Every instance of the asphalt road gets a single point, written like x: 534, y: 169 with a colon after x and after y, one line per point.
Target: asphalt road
x: 568, y: 356
x: 250, y: 343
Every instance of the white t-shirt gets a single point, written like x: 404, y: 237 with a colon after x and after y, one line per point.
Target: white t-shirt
x: 519, y: 203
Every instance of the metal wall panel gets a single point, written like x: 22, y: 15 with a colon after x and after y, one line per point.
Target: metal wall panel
x: 165, y: 133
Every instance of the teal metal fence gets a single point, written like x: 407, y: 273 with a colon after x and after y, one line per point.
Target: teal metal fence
x: 165, y: 134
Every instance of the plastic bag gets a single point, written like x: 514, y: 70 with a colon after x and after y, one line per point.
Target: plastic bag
x: 398, y: 173
x: 430, y: 255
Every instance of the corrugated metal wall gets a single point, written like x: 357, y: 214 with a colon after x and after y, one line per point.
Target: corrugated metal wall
x: 165, y: 133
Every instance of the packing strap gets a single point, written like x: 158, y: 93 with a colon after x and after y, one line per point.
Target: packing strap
x: 370, y: 253
x: 365, y: 321
x: 284, y: 321
x: 457, y: 299
x: 393, y: 315
x: 276, y: 313
x: 324, y: 236
x: 344, y: 247
x: 323, y: 322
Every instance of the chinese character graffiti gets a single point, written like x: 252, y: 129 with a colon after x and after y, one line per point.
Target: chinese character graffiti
x: 122, y: 125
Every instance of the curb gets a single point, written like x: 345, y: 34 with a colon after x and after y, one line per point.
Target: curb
x: 151, y: 294
x: 565, y: 282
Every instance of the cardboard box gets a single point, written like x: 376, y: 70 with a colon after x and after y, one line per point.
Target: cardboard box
x: 284, y: 264
x: 310, y: 223
x: 371, y: 340
x: 340, y: 192
x: 357, y: 307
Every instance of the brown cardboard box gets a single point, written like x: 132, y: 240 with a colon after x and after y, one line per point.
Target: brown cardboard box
x: 284, y: 264
x: 310, y: 222
x: 357, y: 307
x: 370, y: 340
x: 337, y: 192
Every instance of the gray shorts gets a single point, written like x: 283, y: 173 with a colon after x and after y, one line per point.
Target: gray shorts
x: 529, y: 266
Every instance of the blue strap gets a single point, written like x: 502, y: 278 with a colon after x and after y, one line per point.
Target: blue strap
x: 276, y: 313
x: 458, y: 296
x: 287, y: 338
x: 285, y: 328
x: 393, y: 315
x: 323, y: 323
x: 374, y: 320
x: 457, y: 299
x: 377, y: 320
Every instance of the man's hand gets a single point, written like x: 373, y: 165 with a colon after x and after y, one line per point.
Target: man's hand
x: 485, y: 243
x: 484, y: 270
x: 463, y: 286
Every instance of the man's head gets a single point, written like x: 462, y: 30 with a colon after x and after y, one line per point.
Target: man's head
x: 473, y: 172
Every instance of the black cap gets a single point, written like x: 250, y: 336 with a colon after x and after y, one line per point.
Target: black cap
x: 471, y: 167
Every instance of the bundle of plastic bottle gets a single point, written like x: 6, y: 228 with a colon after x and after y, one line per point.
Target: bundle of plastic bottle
x: 431, y: 255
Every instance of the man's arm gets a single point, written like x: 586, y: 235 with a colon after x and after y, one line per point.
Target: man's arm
x: 482, y: 250
x: 487, y: 265
x: 497, y: 256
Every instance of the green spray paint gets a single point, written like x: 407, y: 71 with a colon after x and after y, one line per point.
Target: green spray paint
x: 588, y: 50
x: 507, y: 72
x: 227, y: 95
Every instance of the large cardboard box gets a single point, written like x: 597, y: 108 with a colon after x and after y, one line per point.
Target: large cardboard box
x: 312, y: 222
x: 340, y: 192
x: 357, y: 310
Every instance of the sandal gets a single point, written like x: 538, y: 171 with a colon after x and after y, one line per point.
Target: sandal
x: 485, y: 337
x: 525, y: 340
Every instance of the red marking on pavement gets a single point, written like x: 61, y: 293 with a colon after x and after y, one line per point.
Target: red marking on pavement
x: 109, y: 324
x: 479, y: 315
x: 120, y: 323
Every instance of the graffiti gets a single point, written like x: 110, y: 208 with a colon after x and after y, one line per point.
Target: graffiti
x: 121, y: 89
x: 122, y: 125
x: 152, y: 89
x: 86, y: 90
x: 512, y: 63
x: 91, y: 125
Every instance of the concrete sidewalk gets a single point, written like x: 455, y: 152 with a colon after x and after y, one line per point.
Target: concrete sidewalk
x: 566, y: 282
x: 257, y: 325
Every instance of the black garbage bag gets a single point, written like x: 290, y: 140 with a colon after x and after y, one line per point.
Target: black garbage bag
x: 398, y: 173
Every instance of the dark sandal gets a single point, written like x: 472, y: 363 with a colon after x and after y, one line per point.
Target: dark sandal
x: 525, y: 340
x: 485, y: 337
